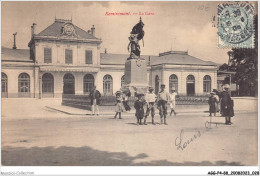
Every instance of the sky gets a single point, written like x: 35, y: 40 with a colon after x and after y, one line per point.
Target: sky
x: 178, y: 26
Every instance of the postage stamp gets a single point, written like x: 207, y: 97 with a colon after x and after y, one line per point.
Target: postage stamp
x: 236, y: 25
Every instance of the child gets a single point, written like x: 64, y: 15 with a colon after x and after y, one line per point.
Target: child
x: 126, y: 95
x: 212, y: 104
x: 119, y: 105
x: 172, y: 100
x: 139, y: 106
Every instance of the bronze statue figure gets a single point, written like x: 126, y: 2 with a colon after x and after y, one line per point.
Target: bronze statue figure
x: 137, y: 34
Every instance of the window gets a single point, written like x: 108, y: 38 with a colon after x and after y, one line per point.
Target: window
x: 47, y: 83
x: 108, y: 84
x: 173, y: 82
x: 68, y: 56
x: 4, y: 82
x: 190, y: 85
x: 88, y: 83
x: 122, y: 80
x: 24, y: 82
x: 206, y: 84
x: 47, y: 55
x: 88, y: 56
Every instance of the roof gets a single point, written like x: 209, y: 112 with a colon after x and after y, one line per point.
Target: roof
x: 118, y: 59
x: 172, y: 57
x: 15, y: 54
x: 179, y: 57
x: 54, y: 30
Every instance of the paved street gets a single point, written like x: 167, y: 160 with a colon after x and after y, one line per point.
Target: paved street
x: 54, y: 138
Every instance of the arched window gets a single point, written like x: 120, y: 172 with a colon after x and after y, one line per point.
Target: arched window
x: 68, y: 84
x: 108, y: 85
x: 190, y: 85
x: 24, y: 85
x: 206, y: 84
x: 4, y: 82
x: 47, y: 83
x: 122, y: 80
x: 88, y: 83
x: 173, y: 82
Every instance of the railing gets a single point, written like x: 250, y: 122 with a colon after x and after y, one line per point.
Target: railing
x: 83, y: 101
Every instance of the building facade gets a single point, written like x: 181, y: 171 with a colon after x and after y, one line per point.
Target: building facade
x: 65, y: 59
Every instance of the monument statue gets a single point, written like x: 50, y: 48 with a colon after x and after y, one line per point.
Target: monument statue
x: 137, y: 34
x: 135, y: 65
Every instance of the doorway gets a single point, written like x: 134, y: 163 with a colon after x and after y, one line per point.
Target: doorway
x: 68, y: 84
x: 190, y: 85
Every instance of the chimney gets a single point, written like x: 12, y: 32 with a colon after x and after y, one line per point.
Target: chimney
x: 105, y: 51
x: 33, y: 29
x: 93, y: 30
x: 14, y: 46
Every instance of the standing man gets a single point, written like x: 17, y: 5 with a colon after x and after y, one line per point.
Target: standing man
x: 150, y: 99
x: 95, y: 100
x: 163, y: 98
x: 173, y: 100
x: 227, y: 105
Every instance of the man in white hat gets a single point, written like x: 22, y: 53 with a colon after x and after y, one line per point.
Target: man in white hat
x: 150, y: 99
x: 172, y: 100
x: 162, y: 100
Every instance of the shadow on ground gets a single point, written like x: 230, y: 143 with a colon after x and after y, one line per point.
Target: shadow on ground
x: 86, y: 156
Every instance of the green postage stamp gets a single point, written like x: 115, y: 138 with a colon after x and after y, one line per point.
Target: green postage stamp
x: 236, y: 25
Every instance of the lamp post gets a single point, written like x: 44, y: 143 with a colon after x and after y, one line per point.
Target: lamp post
x: 14, y: 46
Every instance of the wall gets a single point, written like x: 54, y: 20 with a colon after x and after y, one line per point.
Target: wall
x: 12, y: 76
x: 182, y: 71
x: 116, y: 75
x: 249, y: 104
x: 58, y: 53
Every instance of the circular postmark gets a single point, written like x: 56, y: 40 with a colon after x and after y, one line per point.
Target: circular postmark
x: 235, y: 24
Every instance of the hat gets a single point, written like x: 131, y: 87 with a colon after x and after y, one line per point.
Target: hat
x: 118, y: 92
x: 226, y: 86
x: 162, y: 85
x: 151, y: 88
x: 139, y: 94
x: 173, y: 88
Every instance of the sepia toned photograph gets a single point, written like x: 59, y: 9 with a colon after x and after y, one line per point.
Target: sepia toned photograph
x: 119, y: 83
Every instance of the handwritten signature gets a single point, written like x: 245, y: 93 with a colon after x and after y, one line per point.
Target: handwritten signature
x: 183, y: 144
x: 180, y: 143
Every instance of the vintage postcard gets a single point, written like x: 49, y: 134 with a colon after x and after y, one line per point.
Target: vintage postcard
x: 120, y: 83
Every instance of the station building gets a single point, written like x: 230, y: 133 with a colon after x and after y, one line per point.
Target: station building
x: 65, y: 59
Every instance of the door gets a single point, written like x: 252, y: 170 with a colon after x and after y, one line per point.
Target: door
x: 68, y: 84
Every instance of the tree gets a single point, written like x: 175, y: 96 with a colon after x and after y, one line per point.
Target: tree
x: 246, y: 66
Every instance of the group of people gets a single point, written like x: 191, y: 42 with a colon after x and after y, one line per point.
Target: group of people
x: 218, y: 102
x: 226, y: 104
x: 148, y: 102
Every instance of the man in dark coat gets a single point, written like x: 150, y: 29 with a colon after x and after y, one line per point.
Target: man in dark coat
x: 139, y: 107
x: 227, y: 105
x: 95, y: 100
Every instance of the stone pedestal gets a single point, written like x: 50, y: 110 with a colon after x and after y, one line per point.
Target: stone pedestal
x: 136, y: 76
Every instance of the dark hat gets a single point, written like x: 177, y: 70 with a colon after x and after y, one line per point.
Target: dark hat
x: 162, y: 85
x: 151, y: 88
x: 118, y: 92
x: 139, y: 94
